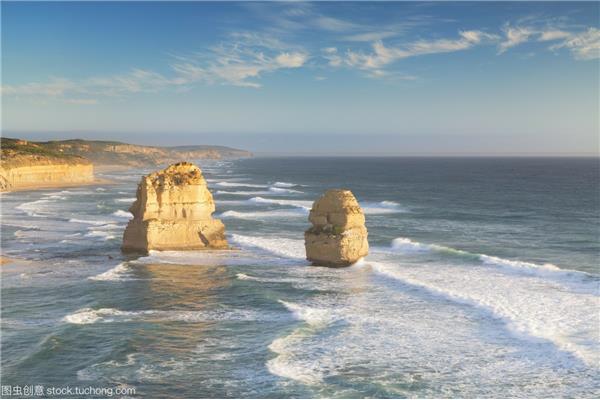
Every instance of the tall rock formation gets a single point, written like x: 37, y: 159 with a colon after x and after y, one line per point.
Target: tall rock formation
x: 338, y: 236
x: 173, y: 211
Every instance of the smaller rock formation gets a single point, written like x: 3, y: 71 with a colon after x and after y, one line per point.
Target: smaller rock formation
x: 338, y: 236
x: 172, y: 211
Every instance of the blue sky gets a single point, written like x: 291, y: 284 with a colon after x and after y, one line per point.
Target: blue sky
x: 320, y: 78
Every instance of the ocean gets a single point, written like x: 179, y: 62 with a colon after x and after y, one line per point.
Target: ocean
x: 482, y: 281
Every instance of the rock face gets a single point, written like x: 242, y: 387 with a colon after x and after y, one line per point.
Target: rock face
x: 173, y: 212
x: 46, y: 173
x: 338, y: 236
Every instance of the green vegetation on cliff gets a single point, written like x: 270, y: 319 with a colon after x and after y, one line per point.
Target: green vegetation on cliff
x: 110, y: 152
x: 16, y: 152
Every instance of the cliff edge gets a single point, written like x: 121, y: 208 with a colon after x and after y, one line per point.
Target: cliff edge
x: 27, y: 165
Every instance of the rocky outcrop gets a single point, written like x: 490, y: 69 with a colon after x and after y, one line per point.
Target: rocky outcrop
x: 338, y: 236
x: 173, y: 211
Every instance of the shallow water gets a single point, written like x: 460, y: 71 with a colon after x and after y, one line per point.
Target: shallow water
x: 482, y: 281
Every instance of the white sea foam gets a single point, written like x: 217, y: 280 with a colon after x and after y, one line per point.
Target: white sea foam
x: 100, y: 234
x: 34, y: 208
x: 283, y: 190
x: 243, y: 192
x: 245, y: 277
x: 303, y: 204
x: 118, y: 273
x: 126, y: 200
x: 531, y: 307
x: 206, y: 258
x: 123, y: 214
x: 72, y: 192
x: 95, y: 222
x: 283, y: 247
x: 287, y: 363
x: 251, y: 215
x: 511, y: 266
x: 408, y: 245
x: 381, y: 207
x: 88, y: 315
x: 284, y: 184
x: 316, y: 317
x: 239, y: 184
x: 100, y: 189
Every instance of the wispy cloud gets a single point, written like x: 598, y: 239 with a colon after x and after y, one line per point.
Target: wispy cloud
x: 584, y: 46
x: 514, y: 37
x: 381, y: 55
x: 243, y: 59
x: 238, y: 62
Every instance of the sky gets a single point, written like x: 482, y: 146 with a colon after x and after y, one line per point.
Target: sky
x: 344, y: 78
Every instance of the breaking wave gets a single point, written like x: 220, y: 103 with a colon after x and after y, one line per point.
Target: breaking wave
x: 303, y: 204
x: 239, y: 184
x: 521, y: 267
x: 88, y: 315
x: 119, y: 273
x: 552, y: 316
x: 262, y: 214
x: 123, y: 214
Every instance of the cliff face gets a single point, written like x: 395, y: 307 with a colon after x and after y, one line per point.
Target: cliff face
x: 47, y: 174
x: 173, y: 211
x: 338, y: 236
x: 25, y: 165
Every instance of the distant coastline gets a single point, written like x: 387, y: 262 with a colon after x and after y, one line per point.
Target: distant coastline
x: 29, y: 165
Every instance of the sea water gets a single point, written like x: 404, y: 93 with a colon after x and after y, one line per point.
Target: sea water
x: 482, y: 281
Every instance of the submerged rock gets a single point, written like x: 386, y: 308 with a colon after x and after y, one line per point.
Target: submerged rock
x: 338, y: 236
x: 173, y: 211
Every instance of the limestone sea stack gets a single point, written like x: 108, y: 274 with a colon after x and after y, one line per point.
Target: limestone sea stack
x: 173, y: 211
x: 338, y: 236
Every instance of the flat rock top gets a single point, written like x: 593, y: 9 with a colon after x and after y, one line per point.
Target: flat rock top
x: 336, y: 200
x: 183, y: 173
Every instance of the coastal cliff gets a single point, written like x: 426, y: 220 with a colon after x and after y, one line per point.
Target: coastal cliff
x: 173, y: 211
x: 31, y: 165
x: 26, y: 165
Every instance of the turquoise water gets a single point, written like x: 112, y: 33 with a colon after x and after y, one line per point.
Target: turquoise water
x: 482, y: 281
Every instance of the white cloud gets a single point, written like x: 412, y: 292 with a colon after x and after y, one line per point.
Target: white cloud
x: 291, y: 60
x: 239, y: 62
x: 382, y: 55
x: 55, y: 87
x: 550, y: 35
x: 584, y: 46
x: 332, y: 56
x: 514, y: 37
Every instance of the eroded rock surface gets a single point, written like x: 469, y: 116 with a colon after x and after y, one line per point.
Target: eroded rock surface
x: 338, y: 236
x: 173, y: 211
